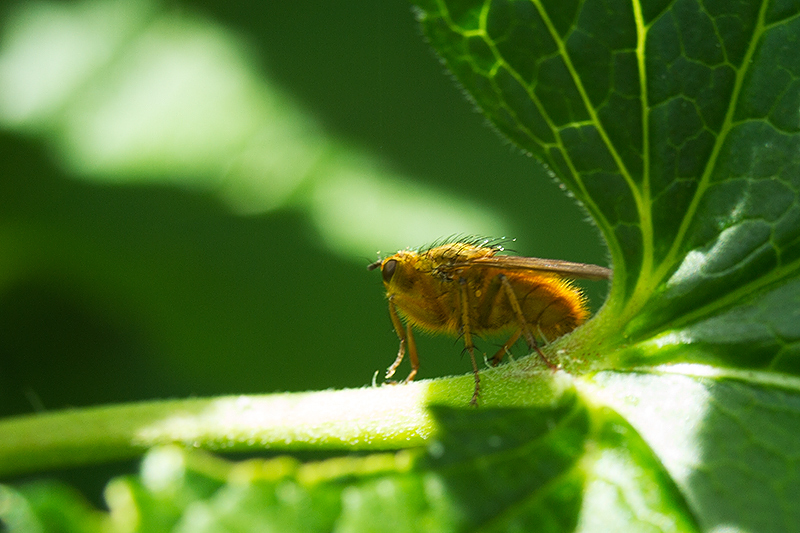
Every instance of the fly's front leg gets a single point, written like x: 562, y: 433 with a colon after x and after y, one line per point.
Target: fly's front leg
x: 412, y: 354
x: 467, y: 332
x: 523, y: 324
x: 406, y: 336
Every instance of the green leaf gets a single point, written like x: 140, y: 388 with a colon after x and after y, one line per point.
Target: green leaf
x: 677, y: 126
x: 730, y: 445
x: 662, y: 119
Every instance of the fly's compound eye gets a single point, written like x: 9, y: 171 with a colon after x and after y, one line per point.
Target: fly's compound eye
x: 388, y: 270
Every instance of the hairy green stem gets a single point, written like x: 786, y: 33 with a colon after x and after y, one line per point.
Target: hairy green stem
x: 369, y: 418
x: 376, y: 418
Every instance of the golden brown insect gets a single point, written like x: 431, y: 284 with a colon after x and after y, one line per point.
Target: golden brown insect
x: 466, y: 289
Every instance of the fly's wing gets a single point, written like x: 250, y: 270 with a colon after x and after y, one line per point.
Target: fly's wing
x: 555, y: 266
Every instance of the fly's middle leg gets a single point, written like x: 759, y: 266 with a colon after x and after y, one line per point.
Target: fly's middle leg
x: 466, y: 329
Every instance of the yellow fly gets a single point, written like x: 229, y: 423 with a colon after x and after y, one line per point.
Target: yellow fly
x: 467, y: 289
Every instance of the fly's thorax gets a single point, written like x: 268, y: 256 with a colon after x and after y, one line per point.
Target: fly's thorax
x: 449, y: 262
x: 458, y: 252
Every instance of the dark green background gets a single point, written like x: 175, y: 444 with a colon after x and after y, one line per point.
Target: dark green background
x: 138, y: 292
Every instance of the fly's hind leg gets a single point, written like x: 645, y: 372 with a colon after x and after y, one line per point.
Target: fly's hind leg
x: 470, y: 346
x: 406, y: 336
x: 523, y: 324
x: 504, y: 349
